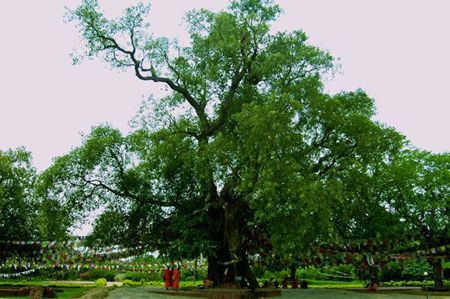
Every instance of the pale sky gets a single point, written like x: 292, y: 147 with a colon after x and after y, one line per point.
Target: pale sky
x: 398, y: 51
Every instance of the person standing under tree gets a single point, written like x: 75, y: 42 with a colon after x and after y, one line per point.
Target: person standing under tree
x: 167, y: 277
x: 176, y: 277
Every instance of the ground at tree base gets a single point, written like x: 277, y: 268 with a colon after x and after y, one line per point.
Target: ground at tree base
x: 222, y: 293
x: 143, y: 292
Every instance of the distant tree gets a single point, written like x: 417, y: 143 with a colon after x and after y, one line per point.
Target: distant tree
x: 418, y: 189
x: 255, y: 152
x: 17, y: 203
x: 18, y: 206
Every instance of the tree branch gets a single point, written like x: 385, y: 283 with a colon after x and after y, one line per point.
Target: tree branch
x: 238, y: 76
x: 111, y: 43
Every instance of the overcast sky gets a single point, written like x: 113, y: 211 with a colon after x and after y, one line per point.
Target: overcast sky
x: 398, y: 51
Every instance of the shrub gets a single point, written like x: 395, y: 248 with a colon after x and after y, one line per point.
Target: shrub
x: 413, y: 270
x: 407, y: 283
x: 101, y: 282
x: 340, y: 272
x: 393, y: 271
x: 146, y: 276
x: 309, y: 273
x: 120, y: 277
x: 275, y: 275
x: 95, y: 274
x: 257, y: 270
x: 187, y: 274
x: 130, y: 283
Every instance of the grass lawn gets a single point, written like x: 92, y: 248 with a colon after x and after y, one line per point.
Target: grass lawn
x: 330, y: 284
x: 71, y: 292
x: 61, y: 291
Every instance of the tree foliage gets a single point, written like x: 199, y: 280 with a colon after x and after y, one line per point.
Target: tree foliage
x: 419, y: 191
x: 17, y: 203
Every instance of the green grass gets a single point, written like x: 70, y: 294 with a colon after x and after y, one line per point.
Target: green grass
x: 331, y: 284
x: 62, y: 290
x: 71, y: 292
x: 64, y: 293
x: 43, y: 283
x: 409, y: 292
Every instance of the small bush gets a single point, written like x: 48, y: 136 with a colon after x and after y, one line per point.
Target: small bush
x: 146, y: 276
x: 309, y: 273
x: 392, y: 271
x: 120, y: 277
x: 275, y: 275
x: 130, y: 283
x: 200, y: 274
x: 406, y: 283
x: 340, y: 272
x: 95, y: 274
x: 413, y: 270
x: 101, y: 282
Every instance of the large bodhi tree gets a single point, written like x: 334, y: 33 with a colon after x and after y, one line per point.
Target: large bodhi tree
x: 254, y: 155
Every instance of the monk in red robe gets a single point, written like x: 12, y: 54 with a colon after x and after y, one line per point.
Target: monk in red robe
x: 176, y: 278
x: 167, y: 277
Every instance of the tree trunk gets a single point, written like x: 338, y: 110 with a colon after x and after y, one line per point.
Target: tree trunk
x: 373, y: 276
x: 293, y: 271
x: 245, y: 271
x: 216, y: 265
x: 437, y: 273
x: 234, y: 226
x: 220, y: 253
x: 215, y: 272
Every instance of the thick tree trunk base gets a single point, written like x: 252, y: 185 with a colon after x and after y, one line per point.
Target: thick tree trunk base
x: 215, y: 272
x: 245, y: 272
x: 293, y: 269
x: 437, y: 273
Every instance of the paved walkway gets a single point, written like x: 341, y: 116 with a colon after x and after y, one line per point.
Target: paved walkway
x: 142, y: 292
x: 344, y: 294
